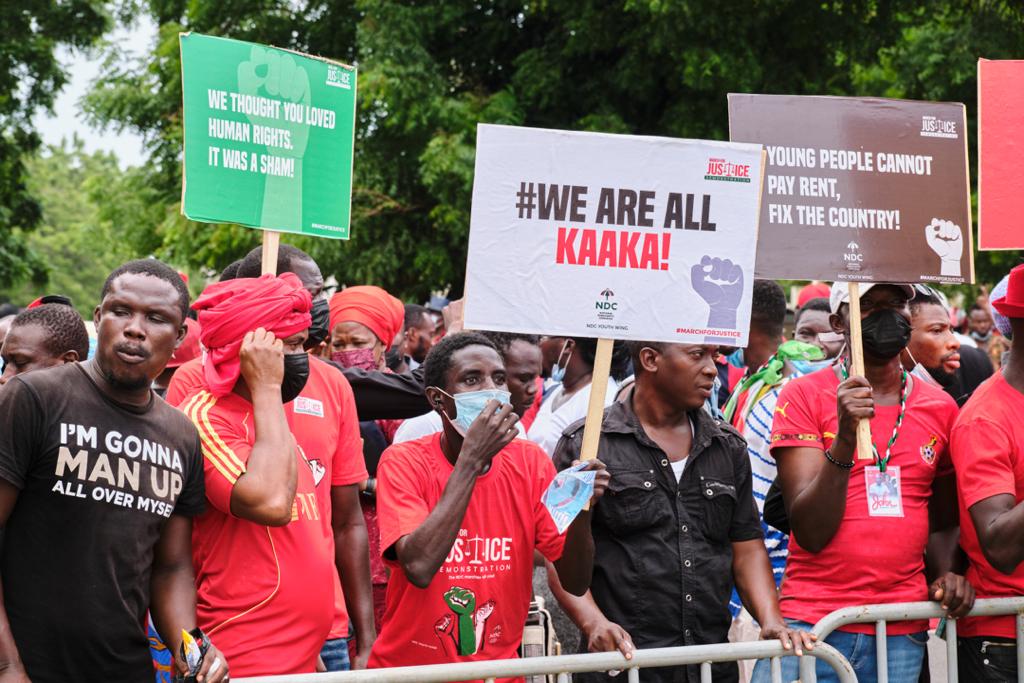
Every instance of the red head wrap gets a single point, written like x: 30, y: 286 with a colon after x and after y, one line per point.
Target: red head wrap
x: 370, y: 306
x: 229, y: 310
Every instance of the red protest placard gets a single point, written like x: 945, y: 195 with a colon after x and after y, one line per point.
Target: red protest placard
x: 1000, y: 147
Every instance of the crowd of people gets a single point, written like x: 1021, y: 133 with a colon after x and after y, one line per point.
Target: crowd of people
x: 309, y: 483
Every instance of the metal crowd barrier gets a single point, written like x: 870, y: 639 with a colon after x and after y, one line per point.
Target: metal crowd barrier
x: 564, y: 665
x: 880, y: 614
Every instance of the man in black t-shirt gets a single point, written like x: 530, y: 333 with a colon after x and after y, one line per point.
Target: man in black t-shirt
x: 99, y: 480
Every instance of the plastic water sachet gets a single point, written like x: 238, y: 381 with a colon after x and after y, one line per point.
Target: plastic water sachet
x: 568, y: 494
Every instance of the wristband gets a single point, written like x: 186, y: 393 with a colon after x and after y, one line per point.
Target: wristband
x: 843, y: 465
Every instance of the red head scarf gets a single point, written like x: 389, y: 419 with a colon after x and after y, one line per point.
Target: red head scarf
x: 229, y: 310
x: 370, y: 306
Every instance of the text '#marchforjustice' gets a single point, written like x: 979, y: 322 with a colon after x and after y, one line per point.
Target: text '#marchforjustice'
x: 118, y: 469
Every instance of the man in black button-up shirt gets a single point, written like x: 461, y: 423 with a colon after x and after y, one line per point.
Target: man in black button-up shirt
x: 678, y: 525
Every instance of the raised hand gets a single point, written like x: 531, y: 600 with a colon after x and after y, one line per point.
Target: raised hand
x: 262, y: 358
x: 720, y: 283
x: 946, y: 239
x: 480, y: 622
x: 462, y: 602
x: 492, y: 430
x: 270, y: 73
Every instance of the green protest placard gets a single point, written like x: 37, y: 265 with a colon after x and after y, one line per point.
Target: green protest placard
x: 268, y: 137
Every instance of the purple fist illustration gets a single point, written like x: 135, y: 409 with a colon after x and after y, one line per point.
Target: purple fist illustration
x: 720, y: 283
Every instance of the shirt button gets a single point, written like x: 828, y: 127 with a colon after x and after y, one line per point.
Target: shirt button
x: 689, y: 598
x: 684, y: 528
x: 686, y: 632
x: 664, y: 462
x: 687, y: 563
x: 708, y: 491
x: 647, y: 485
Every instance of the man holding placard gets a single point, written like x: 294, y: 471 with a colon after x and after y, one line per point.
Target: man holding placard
x: 590, y: 235
x: 679, y: 527
x: 864, y: 524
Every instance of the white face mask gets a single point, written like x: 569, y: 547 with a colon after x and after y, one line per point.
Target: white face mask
x: 921, y: 372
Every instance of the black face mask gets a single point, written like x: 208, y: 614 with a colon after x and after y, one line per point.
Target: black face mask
x: 318, y: 331
x: 296, y: 372
x: 885, y: 333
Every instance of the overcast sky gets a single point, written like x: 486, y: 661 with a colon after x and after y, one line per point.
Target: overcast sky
x: 67, y: 117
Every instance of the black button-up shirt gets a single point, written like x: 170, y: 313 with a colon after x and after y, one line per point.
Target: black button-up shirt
x: 663, y: 553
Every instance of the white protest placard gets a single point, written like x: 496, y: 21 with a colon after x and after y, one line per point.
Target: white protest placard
x: 612, y: 236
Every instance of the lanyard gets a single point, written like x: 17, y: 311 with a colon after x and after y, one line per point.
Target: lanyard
x: 882, y: 462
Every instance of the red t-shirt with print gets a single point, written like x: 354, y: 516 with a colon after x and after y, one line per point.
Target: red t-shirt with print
x: 877, y: 555
x: 324, y: 422
x: 264, y: 594
x: 475, y: 607
x: 987, y: 451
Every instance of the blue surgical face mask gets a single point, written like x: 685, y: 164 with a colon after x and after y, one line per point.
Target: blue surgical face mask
x: 557, y: 373
x: 558, y: 370
x: 469, y: 404
x: 806, y: 367
x: 921, y: 373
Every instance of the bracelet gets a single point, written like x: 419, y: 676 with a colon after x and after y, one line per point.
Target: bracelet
x: 844, y: 465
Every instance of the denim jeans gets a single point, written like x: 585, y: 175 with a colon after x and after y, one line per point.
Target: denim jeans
x: 905, y: 656
x: 335, y: 654
x: 987, y: 660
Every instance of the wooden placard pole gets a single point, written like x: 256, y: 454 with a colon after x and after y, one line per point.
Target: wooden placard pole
x: 271, y: 242
x: 864, y: 449
x: 595, y: 409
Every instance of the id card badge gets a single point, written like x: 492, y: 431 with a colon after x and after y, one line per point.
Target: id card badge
x: 885, y: 491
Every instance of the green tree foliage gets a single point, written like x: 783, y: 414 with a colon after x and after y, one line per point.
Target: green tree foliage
x: 75, y: 242
x: 430, y: 71
x: 30, y: 78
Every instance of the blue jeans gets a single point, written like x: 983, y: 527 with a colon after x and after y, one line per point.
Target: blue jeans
x: 335, y: 654
x: 905, y: 656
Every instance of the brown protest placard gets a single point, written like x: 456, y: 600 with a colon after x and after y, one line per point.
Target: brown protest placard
x: 861, y: 190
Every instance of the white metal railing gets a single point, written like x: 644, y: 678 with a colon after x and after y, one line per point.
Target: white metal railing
x: 565, y: 665
x: 881, y: 614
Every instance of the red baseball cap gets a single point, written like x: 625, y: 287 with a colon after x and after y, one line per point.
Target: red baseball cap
x: 1011, y: 304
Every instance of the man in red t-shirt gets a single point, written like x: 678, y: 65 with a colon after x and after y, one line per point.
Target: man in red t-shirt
x: 460, y: 516
x: 324, y: 421
x: 987, y: 450
x: 262, y: 552
x: 861, y: 522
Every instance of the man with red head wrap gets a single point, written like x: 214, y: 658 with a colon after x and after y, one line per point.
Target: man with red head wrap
x: 262, y: 551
